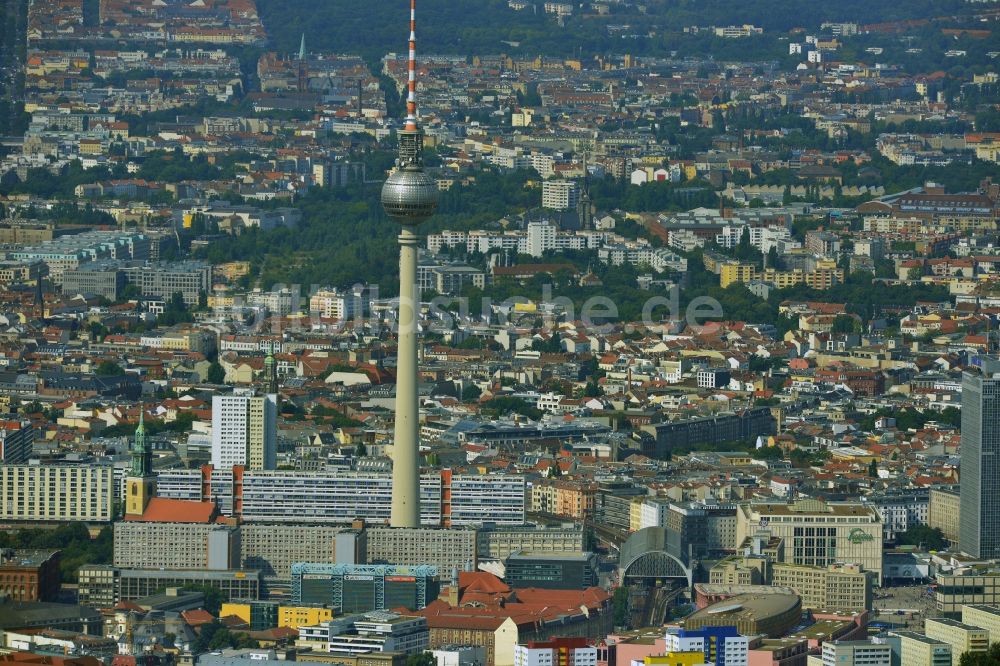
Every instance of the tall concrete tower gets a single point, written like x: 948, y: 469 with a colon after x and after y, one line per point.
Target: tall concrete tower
x: 409, y: 196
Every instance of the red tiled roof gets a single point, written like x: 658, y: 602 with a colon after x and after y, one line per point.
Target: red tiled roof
x: 163, y: 510
x: 198, y: 617
x: 481, y: 581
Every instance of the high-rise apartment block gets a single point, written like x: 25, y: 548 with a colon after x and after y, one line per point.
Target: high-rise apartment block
x: 175, y: 546
x: 979, y: 527
x: 244, y: 430
x: 446, y: 499
x: 499, y: 542
x: 337, y: 304
x: 16, y: 438
x: 270, y: 548
x: 944, y: 511
x: 560, y: 194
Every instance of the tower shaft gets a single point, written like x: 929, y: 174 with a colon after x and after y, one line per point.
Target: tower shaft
x: 409, y: 196
x: 405, y: 450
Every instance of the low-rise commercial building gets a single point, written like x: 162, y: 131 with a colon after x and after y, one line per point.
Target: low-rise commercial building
x: 259, y: 615
x: 968, y: 588
x: 559, y: 571
x: 844, y: 587
x: 363, y: 588
x: 500, y: 542
x: 102, y: 586
x: 856, y: 653
x: 772, y: 614
x: 557, y: 652
x: 377, y: 631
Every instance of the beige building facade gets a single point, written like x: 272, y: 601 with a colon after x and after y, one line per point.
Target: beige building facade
x: 843, y: 587
x: 816, y: 533
x: 984, y: 617
x: 57, y: 493
x: 943, y: 512
x: 918, y: 650
x: 960, y: 636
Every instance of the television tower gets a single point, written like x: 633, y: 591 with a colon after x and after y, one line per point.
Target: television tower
x: 409, y: 196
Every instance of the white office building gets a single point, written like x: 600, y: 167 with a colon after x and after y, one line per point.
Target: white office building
x: 856, y: 653
x: 554, y: 654
x: 378, y: 631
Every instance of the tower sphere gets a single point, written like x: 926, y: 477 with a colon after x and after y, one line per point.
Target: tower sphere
x: 409, y: 196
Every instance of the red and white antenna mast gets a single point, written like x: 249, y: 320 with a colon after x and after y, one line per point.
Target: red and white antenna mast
x: 411, y: 94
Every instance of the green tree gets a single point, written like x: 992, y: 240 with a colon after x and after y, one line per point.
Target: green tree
x: 471, y: 393
x: 216, y: 636
x: 360, y: 450
x: 74, y: 542
x: 843, y: 324
x: 989, y: 658
x: 216, y: 373
x: 504, y: 405
x: 213, y: 596
x: 873, y: 469
x: 769, y: 453
x: 928, y: 538
x: 619, y: 605
x: 109, y: 369
x: 422, y: 659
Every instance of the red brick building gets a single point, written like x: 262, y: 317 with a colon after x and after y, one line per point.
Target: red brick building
x: 29, y: 575
x: 866, y: 383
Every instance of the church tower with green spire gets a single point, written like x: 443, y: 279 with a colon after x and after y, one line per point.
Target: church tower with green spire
x: 140, y: 484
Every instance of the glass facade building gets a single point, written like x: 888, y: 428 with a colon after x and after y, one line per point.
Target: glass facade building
x: 979, y: 517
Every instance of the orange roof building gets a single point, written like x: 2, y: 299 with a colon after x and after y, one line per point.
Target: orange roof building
x: 164, y: 510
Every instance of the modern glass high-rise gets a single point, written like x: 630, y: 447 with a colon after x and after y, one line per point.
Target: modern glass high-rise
x: 979, y: 519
